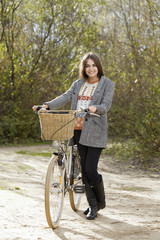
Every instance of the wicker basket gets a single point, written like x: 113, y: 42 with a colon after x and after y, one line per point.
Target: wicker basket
x: 56, y: 124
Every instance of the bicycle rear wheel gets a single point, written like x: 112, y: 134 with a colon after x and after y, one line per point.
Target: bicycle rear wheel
x: 54, y: 192
x: 76, y: 181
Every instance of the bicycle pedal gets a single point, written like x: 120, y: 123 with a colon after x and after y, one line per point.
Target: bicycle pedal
x: 79, y: 189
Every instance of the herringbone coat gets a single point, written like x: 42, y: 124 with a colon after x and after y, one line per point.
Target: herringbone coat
x: 94, y: 132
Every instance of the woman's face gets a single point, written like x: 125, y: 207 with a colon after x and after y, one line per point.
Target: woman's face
x: 91, y: 69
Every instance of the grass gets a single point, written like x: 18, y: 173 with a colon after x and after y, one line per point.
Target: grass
x: 41, y: 154
x: 6, y: 186
x: 17, y: 166
x: 134, y: 189
x: 128, y: 153
x: 25, y: 142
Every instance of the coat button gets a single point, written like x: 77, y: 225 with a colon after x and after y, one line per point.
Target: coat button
x: 86, y: 119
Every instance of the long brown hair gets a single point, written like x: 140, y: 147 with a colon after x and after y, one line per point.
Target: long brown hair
x: 83, y: 64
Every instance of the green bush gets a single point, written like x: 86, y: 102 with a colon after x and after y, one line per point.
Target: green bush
x: 16, y: 128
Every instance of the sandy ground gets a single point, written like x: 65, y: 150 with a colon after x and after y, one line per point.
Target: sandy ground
x: 132, y: 212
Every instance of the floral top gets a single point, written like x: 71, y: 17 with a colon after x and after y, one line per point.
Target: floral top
x: 84, y: 98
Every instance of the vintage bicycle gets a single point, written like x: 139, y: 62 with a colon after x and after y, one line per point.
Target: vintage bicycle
x: 64, y: 169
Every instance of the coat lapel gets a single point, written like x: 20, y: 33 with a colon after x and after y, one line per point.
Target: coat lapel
x: 97, y: 91
x: 78, y: 87
x: 76, y: 92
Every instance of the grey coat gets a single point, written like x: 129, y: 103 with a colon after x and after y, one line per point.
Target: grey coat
x: 94, y: 132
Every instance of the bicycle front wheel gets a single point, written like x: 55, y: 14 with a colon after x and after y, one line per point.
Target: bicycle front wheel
x: 54, y: 192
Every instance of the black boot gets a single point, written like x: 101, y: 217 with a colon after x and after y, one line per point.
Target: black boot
x: 86, y: 211
x: 92, y: 201
x: 100, y: 195
x: 98, y: 190
x: 92, y: 210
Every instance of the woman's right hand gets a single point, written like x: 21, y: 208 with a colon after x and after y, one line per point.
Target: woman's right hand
x: 44, y: 106
x: 34, y: 108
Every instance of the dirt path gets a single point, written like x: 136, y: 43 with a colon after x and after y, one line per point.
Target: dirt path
x: 132, y: 212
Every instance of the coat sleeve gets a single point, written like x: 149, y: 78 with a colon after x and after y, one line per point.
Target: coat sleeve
x: 107, y: 97
x: 62, y: 99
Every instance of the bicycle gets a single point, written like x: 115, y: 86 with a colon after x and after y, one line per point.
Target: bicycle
x: 64, y: 172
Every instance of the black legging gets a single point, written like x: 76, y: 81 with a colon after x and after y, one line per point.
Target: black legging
x: 89, y: 160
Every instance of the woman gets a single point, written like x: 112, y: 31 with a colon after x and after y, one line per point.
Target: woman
x: 95, y: 92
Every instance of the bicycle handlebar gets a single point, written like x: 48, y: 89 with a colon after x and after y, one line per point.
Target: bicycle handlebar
x: 86, y: 111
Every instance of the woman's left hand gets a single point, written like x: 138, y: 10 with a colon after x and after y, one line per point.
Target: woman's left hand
x: 92, y: 109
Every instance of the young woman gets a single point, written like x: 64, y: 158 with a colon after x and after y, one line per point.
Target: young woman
x: 95, y: 92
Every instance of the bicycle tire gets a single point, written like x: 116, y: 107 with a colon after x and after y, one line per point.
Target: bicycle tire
x: 54, y: 192
x: 75, y: 198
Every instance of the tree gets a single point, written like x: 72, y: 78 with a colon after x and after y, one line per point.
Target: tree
x: 130, y: 37
x: 41, y: 44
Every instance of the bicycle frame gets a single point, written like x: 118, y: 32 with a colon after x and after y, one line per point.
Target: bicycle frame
x: 66, y: 162
x: 63, y: 175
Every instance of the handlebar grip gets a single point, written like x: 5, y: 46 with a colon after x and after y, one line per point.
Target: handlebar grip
x: 92, y: 114
x: 40, y: 107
